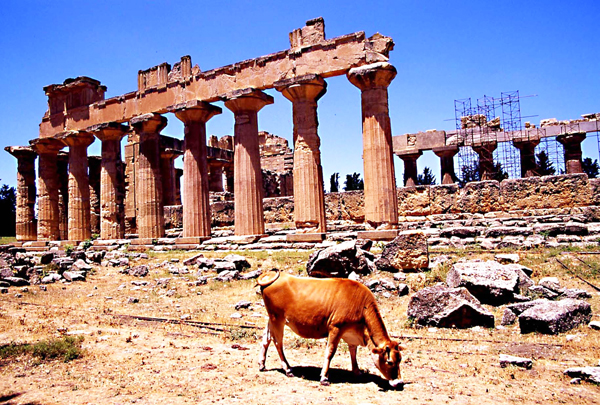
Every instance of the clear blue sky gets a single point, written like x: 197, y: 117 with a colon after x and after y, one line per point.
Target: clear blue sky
x: 444, y: 50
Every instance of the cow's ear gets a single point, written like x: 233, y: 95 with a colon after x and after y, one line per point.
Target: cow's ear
x: 377, y: 350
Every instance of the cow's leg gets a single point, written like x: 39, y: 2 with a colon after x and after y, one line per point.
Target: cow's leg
x: 352, y: 349
x: 332, y: 343
x: 265, y: 346
x: 276, y: 328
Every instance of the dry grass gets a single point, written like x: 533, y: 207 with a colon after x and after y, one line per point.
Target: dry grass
x: 128, y: 360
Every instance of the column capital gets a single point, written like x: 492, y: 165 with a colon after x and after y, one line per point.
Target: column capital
x: 525, y: 144
x: 410, y: 155
x: 195, y: 111
x: 485, y: 147
x: 247, y: 100
x: 573, y: 138
x: 49, y: 146
x: 21, y: 152
x: 76, y: 138
x: 376, y: 75
x: 308, y: 87
x: 170, y: 153
x: 149, y: 123
x: 446, y: 151
x: 109, y: 131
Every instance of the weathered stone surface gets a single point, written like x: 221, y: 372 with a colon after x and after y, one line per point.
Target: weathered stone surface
x: 508, y: 317
x: 507, y: 230
x: 546, y: 192
x: 505, y: 258
x: 408, y: 251
x: 345, y: 206
x: 551, y: 283
x: 553, y: 317
x: 16, y: 281
x: 74, y: 275
x: 137, y: 271
x: 479, y: 197
x: 443, y: 198
x: 576, y: 294
x: 240, y: 262
x: 489, y: 281
x: 338, y: 261
x: 280, y: 209
x: 448, y: 307
x: 460, y: 231
x: 507, y: 360
x: 414, y: 201
x: 591, y: 374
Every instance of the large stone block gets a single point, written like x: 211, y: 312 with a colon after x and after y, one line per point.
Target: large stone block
x: 351, y: 206
x: 479, y: 197
x: 553, y: 317
x: 595, y: 191
x: 546, y: 192
x: 443, y: 198
x: 413, y: 201
x: 408, y: 251
x: 222, y: 213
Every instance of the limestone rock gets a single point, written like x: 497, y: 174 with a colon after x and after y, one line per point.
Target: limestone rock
x: 137, y: 271
x: 227, y: 275
x: 506, y: 258
x: 74, y: 275
x: 508, y: 317
x: 507, y: 360
x: 408, y: 251
x: 51, y: 278
x: 16, y: 281
x: 541, y: 291
x: 222, y: 265
x: 240, y: 262
x: 591, y: 374
x: 448, y: 307
x: 338, y: 261
x: 479, y: 197
x: 80, y: 265
x: 553, y: 317
x: 489, y: 281
x: 250, y: 275
x: 193, y: 260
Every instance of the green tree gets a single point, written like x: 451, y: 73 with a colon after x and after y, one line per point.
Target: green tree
x: 590, y: 167
x: 544, y: 165
x: 426, y: 178
x: 8, y: 203
x: 354, y: 182
x: 334, y: 183
x: 499, y: 173
x: 469, y: 173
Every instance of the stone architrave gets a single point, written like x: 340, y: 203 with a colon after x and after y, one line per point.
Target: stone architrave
x: 148, y: 185
x: 168, y: 176
x: 486, y: 159
x: 26, y: 224
x: 527, y: 155
x: 248, y: 184
x: 446, y: 155
x: 195, y: 199
x: 309, y: 200
x: 79, y: 228
x: 381, y: 202
x: 410, y: 167
x: 112, y: 225
x: 572, y: 146
x: 48, y: 215
x: 62, y: 165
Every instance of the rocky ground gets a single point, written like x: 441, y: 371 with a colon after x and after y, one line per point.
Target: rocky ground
x: 208, y: 352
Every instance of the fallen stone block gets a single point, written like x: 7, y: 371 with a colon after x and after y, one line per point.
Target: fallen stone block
x: 506, y: 258
x: 137, y: 271
x: 591, y: 374
x: 553, y: 317
x: 488, y: 281
x: 576, y: 294
x: 74, y: 275
x: 250, y: 275
x: 240, y: 262
x: 540, y: 291
x: 507, y: 360
x: 408, y: 251
x: 552, y: 284
x: 16, y: 281
x: 338, y: 261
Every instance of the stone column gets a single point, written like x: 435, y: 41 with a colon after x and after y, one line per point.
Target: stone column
x: 79, y: 185
x: 228, y: 169
x: 446, y: 155
x: 25, y: 221
x: 131, y: 151
x: 527, y: 154
x: 48, y: 222
x: 309, y: 201
x: 94, y: 171
x: 410, y: 167
x: 178, y: 175
x: 381, y: 201
x: 247, y: 177
x: 572, y: 146
x: 486, y: 159
x: 62, y: 165
x: 196, y: 204
x: 112, y: 221
x: 215, y: 177
x: 167, y: 172
x: 150, y: 219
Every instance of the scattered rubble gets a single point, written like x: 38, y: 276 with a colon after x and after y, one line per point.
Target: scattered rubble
x: 507, y: 360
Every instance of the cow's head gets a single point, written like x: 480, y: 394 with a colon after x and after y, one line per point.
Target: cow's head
x: 387, y: 358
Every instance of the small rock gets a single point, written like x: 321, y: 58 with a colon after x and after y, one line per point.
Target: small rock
x: 506, y: 258
x: 354, y: 276
x: 242, y: 304
x: 576, y: 294
x: 137, y: 271
x: 3, y: 290
x: 192, y: 260
x: 240, y: 262
x: 403, y: 289
x: 575, y: 381
x: 132, y: 300
x: 543, y: 292
x: 170, y: 293
x: 591, y: 374
x: 399, y: 276
x: 508, y: 318
x: 46, y: 258
x: 81, y: 265
x: 552, y: 284
x: 250, y: 275
x: 236, y: 315
x: 227, y: 275
x: 221, y: 266
x: 594, y: 325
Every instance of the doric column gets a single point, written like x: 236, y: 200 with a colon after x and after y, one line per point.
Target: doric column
x: 446, y: 155
x: 309, y: 202
x: 572, y: 146
x: 94, y: 171
x: 131, y: 151
x: 167, y: 173
x: 62, y: 164
x: 178, y: 175
x: 527, y: 154
x: 381, y: 202
x: 48, y: 222
x: 112, y: 224
x: 248, y: 184
x: 410, y: 167
x: 25, y: 222
x: 79, y: 184
x: 196, y: 204
x: 228, y: 169
x: 215, y: 176
x: 148, y: 186
x: 486, y: 159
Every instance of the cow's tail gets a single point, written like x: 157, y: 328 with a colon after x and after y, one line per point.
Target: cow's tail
x: 268, y: 278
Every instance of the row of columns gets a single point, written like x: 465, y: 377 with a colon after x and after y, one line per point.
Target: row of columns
x: 572, y: 154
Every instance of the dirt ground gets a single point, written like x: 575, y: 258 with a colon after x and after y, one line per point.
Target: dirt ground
x: 129, y: 360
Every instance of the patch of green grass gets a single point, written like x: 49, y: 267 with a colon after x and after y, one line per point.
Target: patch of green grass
x: 242, y: 334
x: 4, y: 240
x: 66, y: 349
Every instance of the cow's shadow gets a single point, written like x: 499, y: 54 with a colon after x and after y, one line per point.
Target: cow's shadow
x: 339, y: 376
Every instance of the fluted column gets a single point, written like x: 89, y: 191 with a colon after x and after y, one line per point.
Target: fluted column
x: 148, y: 185
x: 446, y: 155
x: 381, y: 202
x: 62, y: 164
x: 248, y: 184
x: 309, y: 201
x: 196, y: 204
x: 95, y: 172
x: 178, y: 175
x: 527, y: 155
x: 79, y: 185
x: 167, y: 172
x: 25, y: 221
x: 47, y: 150
x: 410, y: 167
x: 112, y: 221
x: 486, y: 159
x: 572, y: 146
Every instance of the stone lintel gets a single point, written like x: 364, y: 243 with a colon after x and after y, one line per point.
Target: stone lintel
x: 375, y: 75
x: 388, y: 234
x: 305, y: 237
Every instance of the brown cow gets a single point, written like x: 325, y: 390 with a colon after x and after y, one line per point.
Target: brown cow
x: 327, y: 308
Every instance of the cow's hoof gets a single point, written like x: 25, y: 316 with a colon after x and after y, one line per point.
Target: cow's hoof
x: 325, y: 382
x: 262, y: 368
x: 289, y: 373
